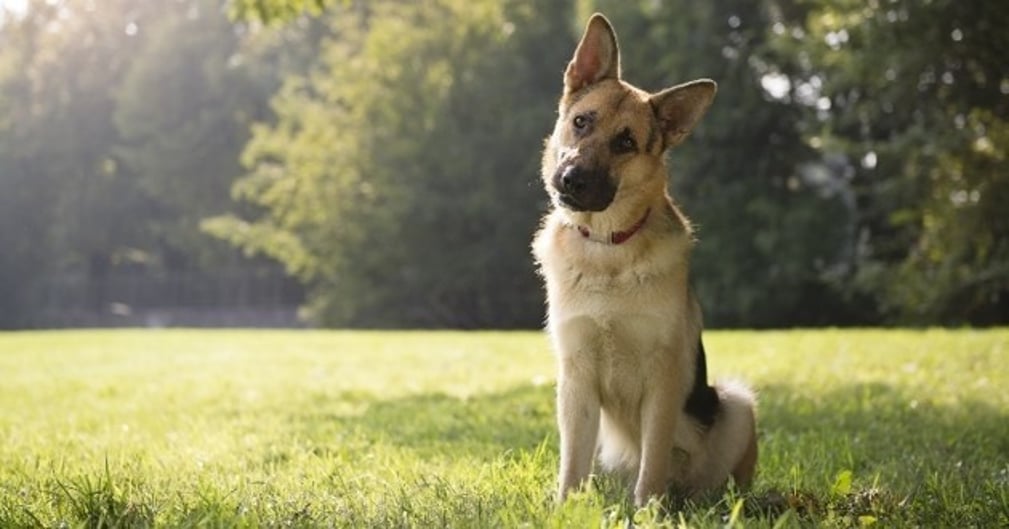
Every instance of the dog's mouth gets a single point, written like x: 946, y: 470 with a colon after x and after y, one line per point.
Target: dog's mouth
x: 570, y: 202
x: 595, y: 203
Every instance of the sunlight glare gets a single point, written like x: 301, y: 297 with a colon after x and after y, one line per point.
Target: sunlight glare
x: 14, y: 6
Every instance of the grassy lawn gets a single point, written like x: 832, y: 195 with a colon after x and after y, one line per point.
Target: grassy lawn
x: 412, y: 429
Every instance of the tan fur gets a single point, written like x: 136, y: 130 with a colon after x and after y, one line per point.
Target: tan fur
x: 621, y: 316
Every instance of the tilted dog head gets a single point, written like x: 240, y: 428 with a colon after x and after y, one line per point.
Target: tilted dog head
x: 610, y: 136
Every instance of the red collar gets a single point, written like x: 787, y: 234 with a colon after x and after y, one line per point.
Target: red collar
x: 619, y: 237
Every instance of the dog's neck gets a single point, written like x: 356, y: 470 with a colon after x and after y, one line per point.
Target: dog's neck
x: 615, y: 237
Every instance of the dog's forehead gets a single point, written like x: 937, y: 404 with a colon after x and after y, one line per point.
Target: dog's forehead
x: 612, y: 100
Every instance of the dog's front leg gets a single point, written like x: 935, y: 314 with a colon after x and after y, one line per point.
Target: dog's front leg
x: 578, y: 422
x: 659, y: 413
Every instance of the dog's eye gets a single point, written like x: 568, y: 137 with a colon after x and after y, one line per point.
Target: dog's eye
x: 623, y: 143
x: 580, y: 122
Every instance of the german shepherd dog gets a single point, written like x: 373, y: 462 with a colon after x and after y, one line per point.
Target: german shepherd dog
x: 614, y: 252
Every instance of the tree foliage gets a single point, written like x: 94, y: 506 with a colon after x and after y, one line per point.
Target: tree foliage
x: 180, y: 151
x: 119, y: 131
x: 915, y: 97
x: 63, y: 198
x: 275, y: 11
x: 851, y: 171
x: 401, y: 176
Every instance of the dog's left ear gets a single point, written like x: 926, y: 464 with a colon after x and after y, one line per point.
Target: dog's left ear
x: 597, y: 56
x: 680, y: 108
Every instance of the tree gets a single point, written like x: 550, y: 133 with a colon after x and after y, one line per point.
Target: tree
x: 276, y: 10
x: 25, y: 196
x: 851, y: 171
x: 56, y: 166
x: 120, y: 129
x: 183, y: 112
x: 401, y: 176
x: 913, y: 96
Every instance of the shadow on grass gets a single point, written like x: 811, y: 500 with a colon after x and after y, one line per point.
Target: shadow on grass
x: 908, y: 458
x: 873, y: 424
x: 878, y: 425
x: 482, y: 426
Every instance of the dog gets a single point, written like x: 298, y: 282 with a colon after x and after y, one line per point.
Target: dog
x: 614, y: 252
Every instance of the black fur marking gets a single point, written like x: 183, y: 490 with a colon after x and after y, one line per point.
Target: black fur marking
x: 623, y: 143
x: 702, y: 403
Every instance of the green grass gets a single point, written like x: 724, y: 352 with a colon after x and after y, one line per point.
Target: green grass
x: 412, y: 429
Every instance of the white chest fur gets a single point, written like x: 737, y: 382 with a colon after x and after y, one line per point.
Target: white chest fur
x: 616, y: 312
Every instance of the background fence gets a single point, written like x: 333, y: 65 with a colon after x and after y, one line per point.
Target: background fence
x: 230, y: 298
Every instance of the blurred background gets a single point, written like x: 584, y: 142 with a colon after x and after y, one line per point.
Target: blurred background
x: 358, y: 163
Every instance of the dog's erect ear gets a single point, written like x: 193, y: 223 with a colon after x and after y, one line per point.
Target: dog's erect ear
x: 680, y: 108
x: 596, y: 58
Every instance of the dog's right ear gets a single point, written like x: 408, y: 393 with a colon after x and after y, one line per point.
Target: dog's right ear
x: 596, y: 58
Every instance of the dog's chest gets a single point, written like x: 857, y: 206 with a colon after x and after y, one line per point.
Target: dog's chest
x: 625, y: 363
x: 619, y: 355
x: 617, y: 297
x: 618, y: 327
x: 615, y: 313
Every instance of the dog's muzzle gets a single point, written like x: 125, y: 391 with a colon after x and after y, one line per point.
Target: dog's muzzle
x: 581, y: 189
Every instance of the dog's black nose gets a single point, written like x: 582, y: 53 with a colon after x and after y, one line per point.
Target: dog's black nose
x: 582, y: 189
x: 572, y: 180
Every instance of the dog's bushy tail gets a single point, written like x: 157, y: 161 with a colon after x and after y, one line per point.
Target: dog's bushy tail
x: 730, y: 447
